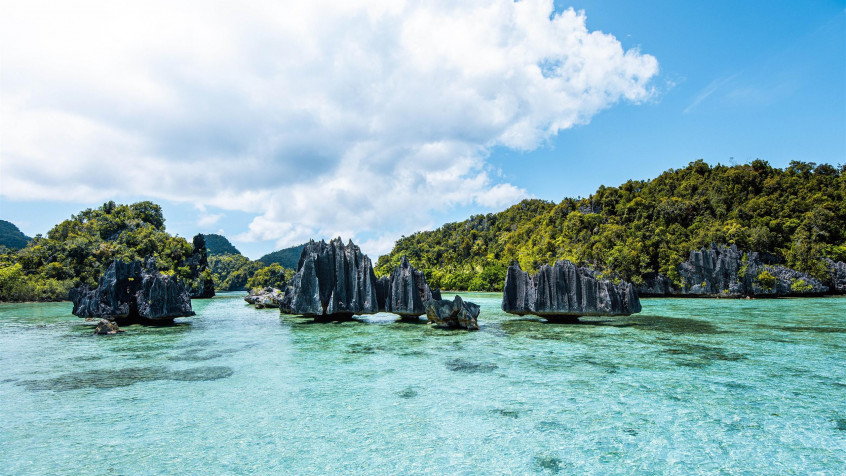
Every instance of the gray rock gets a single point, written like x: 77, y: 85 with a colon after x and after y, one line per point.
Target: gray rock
x: 106, y: 327
x: 200, y: 285
x: 655, y: 284
x: 405, y: 291
x: 455, y: 314
x: 727, y: 271
x: 712, y: 271
x: 333, y: 281
x: 565, y: 291
x: 837, y: 281
x: 265, y: 298
x: 132, y: 292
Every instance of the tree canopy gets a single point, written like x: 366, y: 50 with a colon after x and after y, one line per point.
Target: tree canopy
x: 79, y: 249
x: 640, y: 227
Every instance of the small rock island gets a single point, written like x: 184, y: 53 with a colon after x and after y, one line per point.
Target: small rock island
x: 563, y: 292
x: 133, y: 293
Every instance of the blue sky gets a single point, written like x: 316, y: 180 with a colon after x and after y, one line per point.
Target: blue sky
x: 380, y: 121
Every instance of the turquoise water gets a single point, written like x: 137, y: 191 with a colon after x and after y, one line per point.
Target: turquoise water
x: 686, y: 387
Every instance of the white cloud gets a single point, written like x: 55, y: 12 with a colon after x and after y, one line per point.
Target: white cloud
x: 208, y: 219
x: 323, y: 117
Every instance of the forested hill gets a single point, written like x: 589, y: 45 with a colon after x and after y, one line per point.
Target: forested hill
x: 11, y: 237
x: 797, y: 213
x: 219, y: 245
x: 287, y: 258
x: 78, y: 250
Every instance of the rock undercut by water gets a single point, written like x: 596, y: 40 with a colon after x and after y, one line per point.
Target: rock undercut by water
x: 131, y: 292
x: 565, y: 292
x: 333, y: 281
x: 405, y: 291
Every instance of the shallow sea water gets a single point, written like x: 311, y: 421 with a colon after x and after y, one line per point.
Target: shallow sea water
x: 686, y: 387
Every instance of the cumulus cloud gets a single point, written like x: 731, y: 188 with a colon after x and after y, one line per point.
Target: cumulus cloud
x: 321, y: 117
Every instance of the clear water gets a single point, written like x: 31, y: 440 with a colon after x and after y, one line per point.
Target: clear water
x: 686, y: 387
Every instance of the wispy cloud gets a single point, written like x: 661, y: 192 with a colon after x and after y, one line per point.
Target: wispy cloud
x: 713, y: 87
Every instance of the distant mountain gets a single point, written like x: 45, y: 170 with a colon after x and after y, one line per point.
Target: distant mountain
x: 287, y: 258
x: 11, y: 236
x: 219, y: 245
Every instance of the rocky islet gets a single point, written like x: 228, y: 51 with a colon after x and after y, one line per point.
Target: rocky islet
x: 564, y: 291
x: 132, y: 292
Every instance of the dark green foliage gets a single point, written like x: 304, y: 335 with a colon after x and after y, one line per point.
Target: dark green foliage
x: 287, y: 258
x: 219, y: 245
x: 274, y: 276
x: 798, y: 213
x: 11, y: 237
x: 231, y: 272
x: 78, y: 250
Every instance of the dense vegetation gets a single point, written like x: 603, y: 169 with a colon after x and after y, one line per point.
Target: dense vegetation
x: 78, y: 250
x: 234, y: 272
x: 11, y: 237
x: 640, y: 227
x: 287, y: 258
x: 219, y: 245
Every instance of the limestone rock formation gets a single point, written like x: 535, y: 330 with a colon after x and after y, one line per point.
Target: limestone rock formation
x: 106, y: 327
x: 564, y: 292
x: 655, y: 284
x: 333, y: 281
x: 267, y: 297
x: 727, y: 271
x: 134, y: 293
x: 455, y: 314
x: 201, y: 285
x: 405, y: 291
x: 837, y: 270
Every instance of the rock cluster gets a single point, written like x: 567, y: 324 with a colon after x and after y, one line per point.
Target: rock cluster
x: 729, y: 272
x: 267, y: 297
x: 455, y: 314
x: 133, y: 293
x: 333, y: 281
x: 404, y: 292
x: 564, y: 292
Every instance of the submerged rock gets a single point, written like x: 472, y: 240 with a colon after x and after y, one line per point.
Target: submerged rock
x: 106, y: 327
x: 455, y: 314
x: 405, y: 291
x: 333, y: 281
x: 267, y: 297
x: 132, y: 292
x: 566, y: 291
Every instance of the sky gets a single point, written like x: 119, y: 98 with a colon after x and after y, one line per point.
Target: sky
x: 274, y: 122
